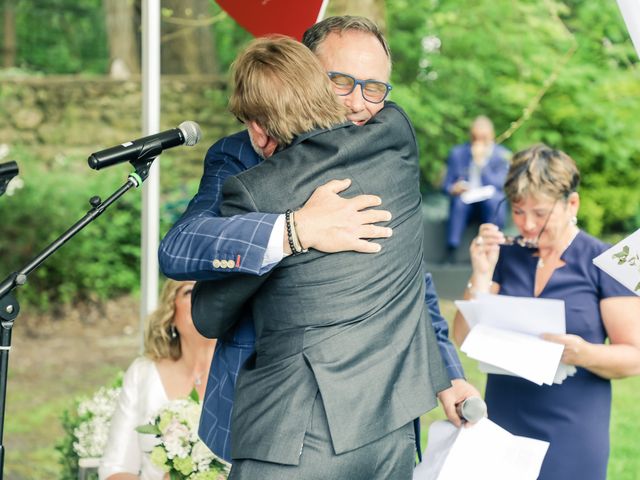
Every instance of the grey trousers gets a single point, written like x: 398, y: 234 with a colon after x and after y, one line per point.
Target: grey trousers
x: 390, y: 457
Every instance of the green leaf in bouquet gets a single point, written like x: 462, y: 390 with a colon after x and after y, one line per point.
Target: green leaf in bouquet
x: 194, y: 396
x: 149, y: 428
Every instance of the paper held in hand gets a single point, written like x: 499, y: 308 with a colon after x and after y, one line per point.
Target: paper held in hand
x: 478, y: 194
x: 505, y: 336
x: 622, y: 262
x: 483, y: 451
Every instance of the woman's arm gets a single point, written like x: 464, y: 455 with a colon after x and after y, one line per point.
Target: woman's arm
x: 480, y: 284
x: 484, y: 252
x: 620, y: 358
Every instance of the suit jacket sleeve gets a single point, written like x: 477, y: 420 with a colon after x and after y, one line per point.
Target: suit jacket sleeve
x: 217, y: 305
x: 441, y: 329
x: 202, y: 234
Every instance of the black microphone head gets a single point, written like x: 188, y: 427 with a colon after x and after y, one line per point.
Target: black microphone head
x: 191, y: 132
x: 9, y: 169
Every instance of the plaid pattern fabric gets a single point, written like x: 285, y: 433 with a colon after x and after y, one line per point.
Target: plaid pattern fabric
x: 201, y: 236
x: 231, y: 353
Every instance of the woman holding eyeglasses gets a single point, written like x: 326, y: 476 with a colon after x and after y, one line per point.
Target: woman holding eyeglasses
x: 552, y: 259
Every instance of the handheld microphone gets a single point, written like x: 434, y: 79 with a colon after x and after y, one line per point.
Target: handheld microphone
x: 472, y: 409
x: 147, y: 148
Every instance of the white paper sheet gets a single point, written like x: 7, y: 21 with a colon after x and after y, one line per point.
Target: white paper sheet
x: 562, y: 373
x: 483, y: 451
x: 468, y: 310
x: 524, y: 355
x: 624, y: 268
x: 505, y: 336
x: 529, y: 315
x: 479, y: 194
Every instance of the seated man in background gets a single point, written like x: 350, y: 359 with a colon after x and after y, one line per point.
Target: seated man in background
x: 470, y: 167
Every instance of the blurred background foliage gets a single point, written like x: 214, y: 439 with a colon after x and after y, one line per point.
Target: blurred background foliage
x: 562, y: 72
x: 100, y: 261
x: 454, y: 60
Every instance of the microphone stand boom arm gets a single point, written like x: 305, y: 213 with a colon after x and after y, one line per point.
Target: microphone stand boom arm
x: 9, y: 307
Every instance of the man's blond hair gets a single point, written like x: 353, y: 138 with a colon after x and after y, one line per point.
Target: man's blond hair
x: 279, y: 84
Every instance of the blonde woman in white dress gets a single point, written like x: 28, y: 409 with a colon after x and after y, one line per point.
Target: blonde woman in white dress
x: 176, y: 360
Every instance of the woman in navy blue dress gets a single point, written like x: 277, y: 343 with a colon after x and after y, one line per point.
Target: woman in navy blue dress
x: 552, y: 259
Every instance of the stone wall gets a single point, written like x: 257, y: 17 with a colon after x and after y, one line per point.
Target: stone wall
x: 79, y: 114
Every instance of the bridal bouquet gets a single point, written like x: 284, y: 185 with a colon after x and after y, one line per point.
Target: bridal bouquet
x: 179, y: 450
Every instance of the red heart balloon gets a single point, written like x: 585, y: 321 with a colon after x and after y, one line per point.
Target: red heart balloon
x: 286, y: 17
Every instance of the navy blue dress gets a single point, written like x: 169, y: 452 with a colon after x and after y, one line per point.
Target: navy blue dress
x: 573, y: 416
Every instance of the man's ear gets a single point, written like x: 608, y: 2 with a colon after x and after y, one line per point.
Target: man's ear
x: 258, y: 134
x: 262, y: 139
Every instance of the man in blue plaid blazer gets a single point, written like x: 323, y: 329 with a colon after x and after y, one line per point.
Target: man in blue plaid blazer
x: 204, y: 246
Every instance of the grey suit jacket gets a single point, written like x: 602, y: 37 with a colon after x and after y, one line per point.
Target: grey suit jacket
x: 352, y: 325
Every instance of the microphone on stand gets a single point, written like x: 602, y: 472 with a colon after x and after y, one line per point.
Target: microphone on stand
x: 146, y: 148
x: 472, y: 409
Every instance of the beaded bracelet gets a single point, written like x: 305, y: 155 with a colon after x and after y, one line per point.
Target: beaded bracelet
x: 473, y: 292
x: 292, y: 235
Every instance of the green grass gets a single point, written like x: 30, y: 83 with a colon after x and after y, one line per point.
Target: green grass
x: 624, y: 461
x: 33, y: 425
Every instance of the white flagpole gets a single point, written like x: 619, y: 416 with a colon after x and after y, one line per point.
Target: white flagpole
x: 151, y: 187
x: 323, y: 9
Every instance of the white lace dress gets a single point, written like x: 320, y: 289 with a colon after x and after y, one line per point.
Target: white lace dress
x: 127, y: 450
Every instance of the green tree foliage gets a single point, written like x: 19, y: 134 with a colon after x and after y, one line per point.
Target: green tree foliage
x: 101, y: 261
x: 457, y: 59
x: 59, y: 36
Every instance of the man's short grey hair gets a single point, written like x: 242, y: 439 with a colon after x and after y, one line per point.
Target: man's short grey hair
x: 482, y: 121
x: 316, y: 34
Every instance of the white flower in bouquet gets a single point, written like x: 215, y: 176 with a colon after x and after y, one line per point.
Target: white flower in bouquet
x: 95, y: 418
x: 201, y: 456
x: 177, y: 438
x: 179, y: 450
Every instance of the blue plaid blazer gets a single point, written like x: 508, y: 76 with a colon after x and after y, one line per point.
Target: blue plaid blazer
x: 201, y: 236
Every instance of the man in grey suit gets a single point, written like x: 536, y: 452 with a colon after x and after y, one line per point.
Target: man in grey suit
x: 345, y: 357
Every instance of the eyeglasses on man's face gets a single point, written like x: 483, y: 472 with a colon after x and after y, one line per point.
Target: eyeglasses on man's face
x: 373, y: 91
